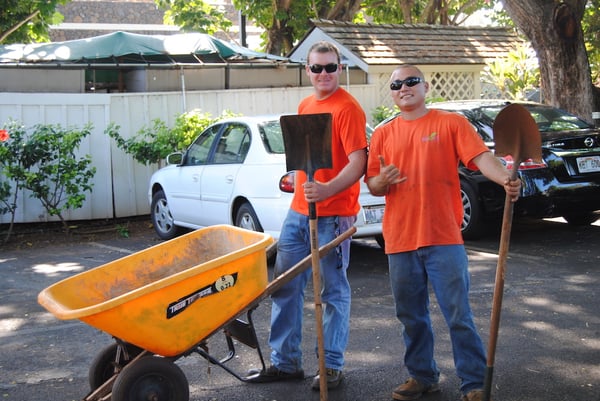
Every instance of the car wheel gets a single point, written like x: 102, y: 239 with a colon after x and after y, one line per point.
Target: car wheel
x: 472, y: 224
x: 380, y: 241
x: 581, y: 219
x: 246, y: 218
x: 162, y: 220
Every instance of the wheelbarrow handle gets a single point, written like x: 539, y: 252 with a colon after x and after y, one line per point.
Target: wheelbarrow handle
x: 304, y: 264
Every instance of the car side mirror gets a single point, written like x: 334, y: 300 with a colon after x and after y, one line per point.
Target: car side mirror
x: 175, y: 158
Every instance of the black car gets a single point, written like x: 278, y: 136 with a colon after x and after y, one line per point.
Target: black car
x: 566, y: 184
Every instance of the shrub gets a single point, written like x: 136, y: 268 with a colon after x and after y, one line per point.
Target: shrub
x: 152, y: 144
x: 42, y: 160
x: 515, y: 76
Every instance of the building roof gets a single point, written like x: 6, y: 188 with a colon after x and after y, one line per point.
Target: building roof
x: 130, y: 48
x: 421, y: 44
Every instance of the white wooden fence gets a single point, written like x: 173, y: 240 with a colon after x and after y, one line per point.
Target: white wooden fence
x: 120, y: 185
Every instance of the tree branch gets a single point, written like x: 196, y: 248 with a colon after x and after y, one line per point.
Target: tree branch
x: 31, y: 16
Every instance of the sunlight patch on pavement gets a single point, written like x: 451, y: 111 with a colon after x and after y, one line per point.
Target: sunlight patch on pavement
x: 480, y: 255
x: 53, y: 269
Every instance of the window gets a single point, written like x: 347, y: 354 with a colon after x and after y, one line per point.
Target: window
x: 272, y: 137
x: 198, y: 151
x: 233, y: 145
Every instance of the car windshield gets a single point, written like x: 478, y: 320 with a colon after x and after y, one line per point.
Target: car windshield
x: 548, y: 119
x: 272, y: 137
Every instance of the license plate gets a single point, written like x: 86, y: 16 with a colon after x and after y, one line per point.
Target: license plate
x: 589, y: 164
x: 373, y: 214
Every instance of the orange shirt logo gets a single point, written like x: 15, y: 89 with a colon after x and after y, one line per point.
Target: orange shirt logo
x: 431, y: 137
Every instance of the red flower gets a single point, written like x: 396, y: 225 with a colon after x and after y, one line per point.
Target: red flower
x: 4, y: 135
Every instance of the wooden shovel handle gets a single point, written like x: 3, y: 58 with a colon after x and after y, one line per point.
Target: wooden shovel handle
x: 507, y: 219
x: 304, y: 264
x: 316, y: 275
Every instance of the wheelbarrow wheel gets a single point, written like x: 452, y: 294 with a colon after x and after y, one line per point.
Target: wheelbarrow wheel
x: 151, y: 378
x: 105, y: 364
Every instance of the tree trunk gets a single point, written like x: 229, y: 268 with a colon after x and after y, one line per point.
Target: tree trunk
x: 406, y: 7
x: 344, y: 10
x: 554, y: 30
x: 435, y: 13
x: 279, y: 36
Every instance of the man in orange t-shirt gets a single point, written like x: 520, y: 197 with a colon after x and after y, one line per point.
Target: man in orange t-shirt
x: 413, y: 162
x: 335, y: 193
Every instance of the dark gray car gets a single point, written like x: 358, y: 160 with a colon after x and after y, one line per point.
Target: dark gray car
x: 566, y: 184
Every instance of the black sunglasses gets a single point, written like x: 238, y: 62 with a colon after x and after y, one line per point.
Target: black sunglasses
x: 318, y: 68
x: 410, y: 82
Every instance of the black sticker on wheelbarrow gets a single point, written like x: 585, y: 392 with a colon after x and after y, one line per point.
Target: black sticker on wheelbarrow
x: 223, y: 283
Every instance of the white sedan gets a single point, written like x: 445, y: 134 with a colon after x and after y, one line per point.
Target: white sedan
x: 230, y: 175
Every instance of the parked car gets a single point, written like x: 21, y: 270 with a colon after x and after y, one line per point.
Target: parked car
x: 566, y: 184
x: 230, y: 175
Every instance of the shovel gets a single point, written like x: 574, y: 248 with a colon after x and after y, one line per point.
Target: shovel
x: 307, y: 141
x: 516, y: 134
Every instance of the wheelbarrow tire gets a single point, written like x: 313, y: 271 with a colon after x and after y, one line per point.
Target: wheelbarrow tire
x: 104, y: 364
x: 151, y: 378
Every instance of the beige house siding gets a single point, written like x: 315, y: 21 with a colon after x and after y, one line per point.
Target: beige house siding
x: 74, y: 79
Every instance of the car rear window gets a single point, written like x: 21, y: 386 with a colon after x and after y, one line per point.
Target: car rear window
x: 552, y: 119
x: 272, y: 137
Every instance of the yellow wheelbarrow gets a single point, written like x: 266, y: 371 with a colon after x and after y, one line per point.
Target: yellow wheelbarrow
x: 164, y: 302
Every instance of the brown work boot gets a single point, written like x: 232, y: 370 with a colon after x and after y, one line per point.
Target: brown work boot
x: 474, y: 395
x: 412, y: 390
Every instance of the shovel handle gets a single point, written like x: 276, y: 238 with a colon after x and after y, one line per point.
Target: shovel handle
x: 515, y: 169
x: 487, y: 383
x: 507, y: 219
x: 316, y: 275
x: 312, y: 211
x: 499, y: 283
x: 498, y: 294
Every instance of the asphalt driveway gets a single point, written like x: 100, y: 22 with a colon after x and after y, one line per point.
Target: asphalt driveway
x: 548, y: 347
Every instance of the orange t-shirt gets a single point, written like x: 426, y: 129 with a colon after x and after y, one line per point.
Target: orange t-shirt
x: 347, y: 136
x: 426, y: 209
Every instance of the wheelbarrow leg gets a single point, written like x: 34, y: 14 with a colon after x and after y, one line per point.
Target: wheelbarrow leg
x: 245, y: 333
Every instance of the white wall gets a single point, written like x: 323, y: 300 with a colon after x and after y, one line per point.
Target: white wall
x: 121, y: 183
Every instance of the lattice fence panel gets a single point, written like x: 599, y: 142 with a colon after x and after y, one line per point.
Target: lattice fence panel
x: 452, y: 85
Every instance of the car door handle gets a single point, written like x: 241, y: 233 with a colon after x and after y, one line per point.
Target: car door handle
x: 229, y: 179
x: 195, y: 177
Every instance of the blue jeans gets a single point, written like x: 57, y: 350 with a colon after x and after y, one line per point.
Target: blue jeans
x: 288, y: 302
x: 446, y: 267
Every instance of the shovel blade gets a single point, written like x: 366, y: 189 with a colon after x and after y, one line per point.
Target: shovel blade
x: 307, y: 141
x: 516, y: 134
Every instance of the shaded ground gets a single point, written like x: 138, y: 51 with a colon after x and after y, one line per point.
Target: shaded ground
x: 39, y: 235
